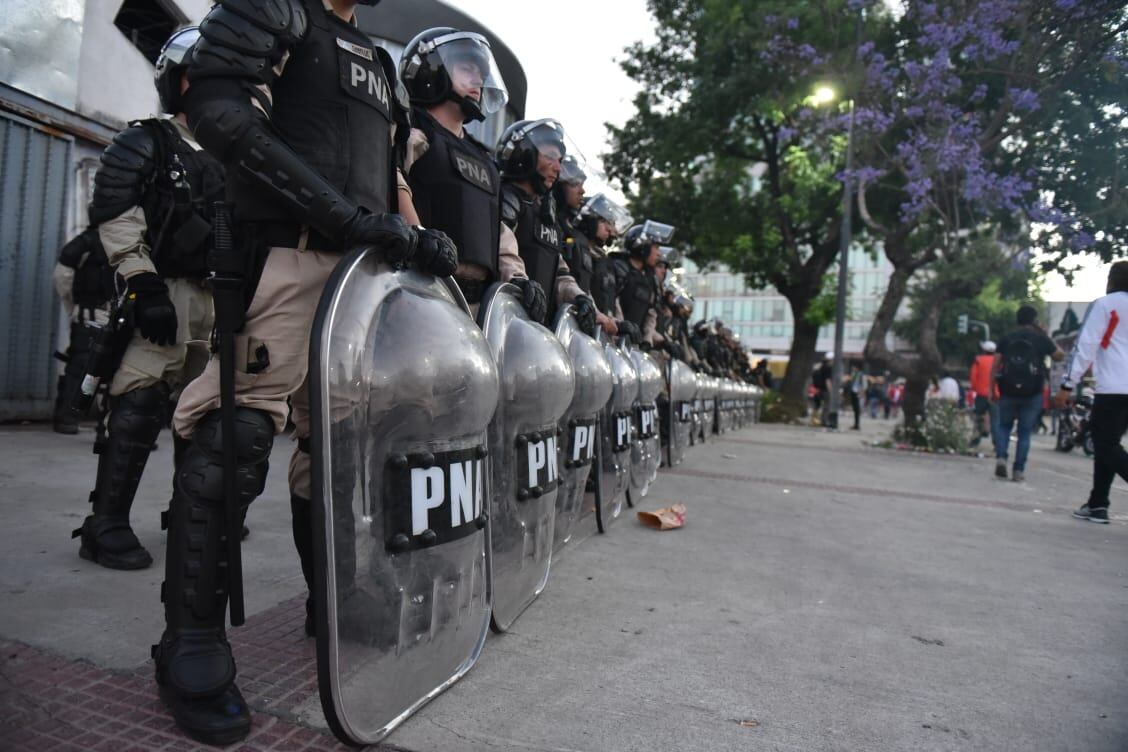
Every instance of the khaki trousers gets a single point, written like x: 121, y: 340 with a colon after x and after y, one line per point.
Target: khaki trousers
x: 146, y: 363
x: 276, y: 332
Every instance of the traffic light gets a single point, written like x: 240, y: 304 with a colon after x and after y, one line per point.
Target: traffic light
x: 961, y: 323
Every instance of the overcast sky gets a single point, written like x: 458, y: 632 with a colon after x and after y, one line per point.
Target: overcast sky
x: 570, y: 53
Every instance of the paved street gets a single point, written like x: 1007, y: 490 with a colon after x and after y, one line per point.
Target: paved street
x: 823, y: 595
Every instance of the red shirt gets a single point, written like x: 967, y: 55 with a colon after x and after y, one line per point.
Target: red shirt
x: 980, y: 374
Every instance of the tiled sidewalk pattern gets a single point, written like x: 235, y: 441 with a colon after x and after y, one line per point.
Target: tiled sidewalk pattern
x: 49, y: 702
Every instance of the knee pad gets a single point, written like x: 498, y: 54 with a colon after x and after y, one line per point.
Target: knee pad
x: 139, y: 414
x: 200, y: 475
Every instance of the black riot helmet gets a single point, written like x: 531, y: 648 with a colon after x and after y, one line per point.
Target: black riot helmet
x: 435, y: 55
x: 571, y: 174
x: 172, y: 61
x: 519, y: 145
x: 640, y: 238
x: 599, y: 208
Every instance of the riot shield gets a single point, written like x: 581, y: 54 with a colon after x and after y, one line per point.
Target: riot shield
x: 398, y: 455
x: 615, y: 439
x: 646, y: 453
x: 537, y: 383
x: 579, y: 428
x: 683, y: 390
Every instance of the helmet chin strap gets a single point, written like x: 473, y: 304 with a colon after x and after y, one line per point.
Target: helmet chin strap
x: 470, y: 109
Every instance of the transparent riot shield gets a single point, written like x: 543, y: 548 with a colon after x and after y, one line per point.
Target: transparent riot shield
x: 537, y: 383
x: 646, y: 453
x: 683, y: 390
x: 615, y: 440
x: 399, y: 486
x: 579, y: 428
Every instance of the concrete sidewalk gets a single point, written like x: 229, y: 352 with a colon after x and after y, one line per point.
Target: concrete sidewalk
x: 822, y: 596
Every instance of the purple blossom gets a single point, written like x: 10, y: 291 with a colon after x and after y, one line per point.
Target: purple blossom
x: 793, y: 23
x: 1024, y: 100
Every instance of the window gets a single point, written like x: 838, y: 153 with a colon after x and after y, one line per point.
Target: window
x: 147, y: 24
x: 778, y: 310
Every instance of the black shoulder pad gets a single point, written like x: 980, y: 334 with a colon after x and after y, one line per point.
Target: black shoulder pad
x: 127, y: 166
x: 510, y: 206
x: 247, y: 38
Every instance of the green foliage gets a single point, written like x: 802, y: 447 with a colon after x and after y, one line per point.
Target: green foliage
x: 775, y: 409
x: 945, y: 428
x: 984, y: 284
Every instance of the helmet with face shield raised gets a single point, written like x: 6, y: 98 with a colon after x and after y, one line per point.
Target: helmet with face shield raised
x: 443, y: 63
x: 640, y: 239
x: 599, y: 208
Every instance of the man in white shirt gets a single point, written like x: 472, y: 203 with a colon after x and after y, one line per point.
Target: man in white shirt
x: 1103, y: 344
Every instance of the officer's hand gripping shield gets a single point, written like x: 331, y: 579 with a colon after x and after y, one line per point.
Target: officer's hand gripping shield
x: 537, y: 383
x: 579, y: 428
x: 617, y: 425
x: 683, y: 391
x: 402, y: 388
x: 646, y: 451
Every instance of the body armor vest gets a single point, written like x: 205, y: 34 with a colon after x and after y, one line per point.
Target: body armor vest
x: 603, y: 284
x: 538, y: 243
x: 577, y: 254
x: 334, y: 106
x: 639, y: 292
x: 455, y: 188
x: 178, y: 206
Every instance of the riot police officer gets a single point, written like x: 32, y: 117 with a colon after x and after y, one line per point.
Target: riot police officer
x: 529, y: 154
x: 601, y: 221
x: 635, y: 277
x: 151, y: 199
x: 305, y: 112
x: 452, y: 79
x: 568, y: 192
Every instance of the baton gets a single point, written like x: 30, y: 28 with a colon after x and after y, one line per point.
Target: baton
x: 227, y: 286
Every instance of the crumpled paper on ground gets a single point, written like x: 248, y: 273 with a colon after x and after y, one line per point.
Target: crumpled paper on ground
x: 666, y: 518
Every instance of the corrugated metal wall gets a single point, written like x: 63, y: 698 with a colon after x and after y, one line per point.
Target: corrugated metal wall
x: 35, y: 165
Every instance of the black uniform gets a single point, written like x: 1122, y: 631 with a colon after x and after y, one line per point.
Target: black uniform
x: 637, y: 290
x: 577, y: 251
x: 455, y: 188
x: 533, y: 222
x: 312, y: 163
x: 148, y: 165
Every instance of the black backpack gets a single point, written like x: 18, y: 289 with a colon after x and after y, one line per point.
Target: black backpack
x: 1022, y: 369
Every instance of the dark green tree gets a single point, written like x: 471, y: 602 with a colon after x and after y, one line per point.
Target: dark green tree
x: 726, y: 144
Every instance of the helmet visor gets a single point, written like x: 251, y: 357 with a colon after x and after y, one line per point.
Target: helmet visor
x: 656, y: 232
x: 571, y: 171
x: 668, y: 255
x: 175, y: 50
x: 547, y: 137
x: 604, y: 208
x: 473, y: 72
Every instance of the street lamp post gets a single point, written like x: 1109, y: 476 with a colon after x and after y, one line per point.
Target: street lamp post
x: 843, y: 277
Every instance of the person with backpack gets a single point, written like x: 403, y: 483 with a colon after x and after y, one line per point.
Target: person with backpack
x: 1019, y: 374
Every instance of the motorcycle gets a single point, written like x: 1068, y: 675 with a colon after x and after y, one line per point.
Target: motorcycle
x: 1073, y: 426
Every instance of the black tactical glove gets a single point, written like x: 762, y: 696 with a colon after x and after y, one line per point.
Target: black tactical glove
x: 584, y: 310
x: 676, y: 351
x: 153, y: 312
x: 435, y: 253
x: 388, y: 232
x: 645, y: 347
x: 532, y: 297
x: 629, y: 330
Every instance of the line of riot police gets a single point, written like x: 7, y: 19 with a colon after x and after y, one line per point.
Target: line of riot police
x: 466, y: 364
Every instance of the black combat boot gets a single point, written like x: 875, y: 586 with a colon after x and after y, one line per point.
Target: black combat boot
x: 195, y: 669
x: 135, y: 420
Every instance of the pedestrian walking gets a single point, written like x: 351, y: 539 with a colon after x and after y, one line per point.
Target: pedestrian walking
x: 979, y: 376
x: 1103, y: 344
x: 1019, y: 373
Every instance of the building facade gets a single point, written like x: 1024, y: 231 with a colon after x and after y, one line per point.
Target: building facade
x: 73, y: 73
x: 762, y: 318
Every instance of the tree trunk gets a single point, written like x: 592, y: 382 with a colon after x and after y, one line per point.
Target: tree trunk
x: 801, y: 361
x: 916, y: 388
